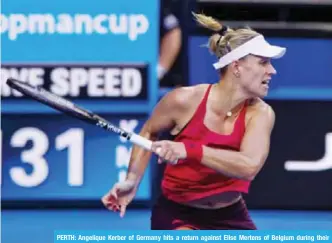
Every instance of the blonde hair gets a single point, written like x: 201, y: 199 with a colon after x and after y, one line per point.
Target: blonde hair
x: 219, y: 44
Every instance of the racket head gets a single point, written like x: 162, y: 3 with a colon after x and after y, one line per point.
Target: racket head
x: 43, y: 96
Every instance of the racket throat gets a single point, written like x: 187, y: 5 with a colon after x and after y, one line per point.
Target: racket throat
x: 114, y: 129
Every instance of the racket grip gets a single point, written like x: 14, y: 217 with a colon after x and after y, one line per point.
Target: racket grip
x: 145, y: 143
x: 141, y: 141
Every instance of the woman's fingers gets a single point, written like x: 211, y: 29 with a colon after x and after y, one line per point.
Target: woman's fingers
x: 123, y: 210
x: 168, y: 156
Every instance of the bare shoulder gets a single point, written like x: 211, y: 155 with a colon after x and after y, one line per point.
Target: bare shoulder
x: 185, y: 97
x: 259, y: 109
x: 260, y: 106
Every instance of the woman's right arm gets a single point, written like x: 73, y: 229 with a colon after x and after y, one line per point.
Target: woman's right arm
x: 164, y: 117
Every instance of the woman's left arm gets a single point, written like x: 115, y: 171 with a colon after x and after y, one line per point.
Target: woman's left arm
x: 243, y: 164
x: 254, y: 150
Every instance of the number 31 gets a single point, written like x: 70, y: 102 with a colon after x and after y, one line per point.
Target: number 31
x: 73, y: 139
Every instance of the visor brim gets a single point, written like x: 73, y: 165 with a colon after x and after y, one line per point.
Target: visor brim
x: 270, y: 51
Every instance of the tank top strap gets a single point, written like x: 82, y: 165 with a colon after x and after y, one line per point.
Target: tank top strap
x: 240, y: 123
x: 244, y: 109
x: 201, y: 109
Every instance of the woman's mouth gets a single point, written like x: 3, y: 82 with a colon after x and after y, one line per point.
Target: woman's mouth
x: 266, y: 83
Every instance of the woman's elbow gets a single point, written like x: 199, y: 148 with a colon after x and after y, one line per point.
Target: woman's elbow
x: 250, y: 171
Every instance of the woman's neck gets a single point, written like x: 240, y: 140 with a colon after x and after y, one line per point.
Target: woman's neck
x: 228, y: 97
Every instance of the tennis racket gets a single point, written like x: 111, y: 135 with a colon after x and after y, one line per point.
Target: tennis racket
x: 65, y: 106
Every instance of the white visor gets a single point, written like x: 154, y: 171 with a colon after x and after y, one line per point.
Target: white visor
x: 257, y: 46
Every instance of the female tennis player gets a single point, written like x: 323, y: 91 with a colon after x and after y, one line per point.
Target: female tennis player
x: 221, y: 138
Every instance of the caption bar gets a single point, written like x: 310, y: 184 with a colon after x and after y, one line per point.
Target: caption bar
x: 193, y: 236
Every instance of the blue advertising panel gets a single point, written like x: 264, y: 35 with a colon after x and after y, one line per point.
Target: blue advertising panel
x: 50, y: 156
x: 304, y: 73
x: 101, y: 33
x: 102, y: 55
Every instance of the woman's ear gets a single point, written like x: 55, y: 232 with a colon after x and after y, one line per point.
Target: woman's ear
x: 235, y: 67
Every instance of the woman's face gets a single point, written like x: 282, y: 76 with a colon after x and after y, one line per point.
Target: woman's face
x: 255, y: 74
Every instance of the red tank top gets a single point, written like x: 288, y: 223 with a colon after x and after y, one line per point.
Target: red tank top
x: 188, y: 181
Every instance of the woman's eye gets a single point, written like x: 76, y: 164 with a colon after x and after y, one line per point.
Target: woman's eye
x: 264, y: 62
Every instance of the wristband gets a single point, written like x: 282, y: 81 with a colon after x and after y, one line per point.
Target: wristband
x: 194, y: 151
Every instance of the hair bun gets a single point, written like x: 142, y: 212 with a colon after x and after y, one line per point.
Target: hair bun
x: 223, y: 30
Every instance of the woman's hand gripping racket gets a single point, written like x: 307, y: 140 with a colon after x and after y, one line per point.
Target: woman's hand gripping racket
x: 65, y: 106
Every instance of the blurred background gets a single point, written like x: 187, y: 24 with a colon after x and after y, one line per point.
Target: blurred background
x: 118, y: 58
